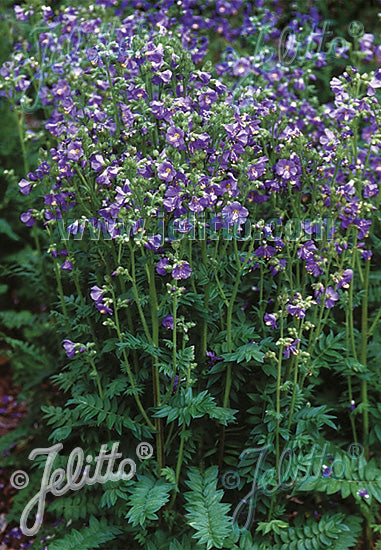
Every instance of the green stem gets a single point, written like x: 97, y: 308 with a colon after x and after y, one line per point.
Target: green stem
x: 180, y: 456
x: 374, y: 324
x: 349, y: 381
x: 350, y: 305
x: 100, y: 390
x: 174, y: 350
x: 128, y: 367
x: 117, y: 121
x: 363, y: 357
x: 169, y: 437
x: 229, y: 338
x: 61, y: 293
x: 132, y: 279
x: 155, y: 369
x: 221, y: 290
x: 350, y: 399
x: 204, y: 330
x: 292, y: 406
x: 278, y: 381
x: 19, y: 121
x: 228, y: 381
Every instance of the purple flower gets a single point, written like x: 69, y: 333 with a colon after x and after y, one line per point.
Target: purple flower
x: 327, y: 472
x: 61, y: 89
x: 76, y: 227
x: 67, y: 266
x: 107, y: 175
x: 328, y: 140
x: 128, y: 116
x: 166, y: 172
x: 306, y: 251
x: 154, y: 242
x: 75, y: 151
x: 242, y: 67
x: 212, y: 358
x: 103, y: 308
x: 97, y: 162
x: 331, y: 296
x: 363, y: 493
x: 374, y: 83
x: 167, y: 322
x: 21, y: 14
x: 266, y: 252
x: 296, y: 311
x: 366, y: 254
x: 162, y: 77
x: 366, y: 44
x: 258, y: 169
x: 291, y: 348
x: 96, y: 294
x: 172, y: 199
x: 235, y: 213
x: 175, y: 383
x: 280, y: 264
x: 370, y: 190
x: 161, y: 266
x: 286, y: 168
x: 175, y: 137
x: 25, y: 186
x: 181, y: 270
x: 346, y: 278
x: 155, y: 55
x: 207, y: 99
x: 363, y: 227
x: 270, y: 320
x: 158, y: 109
x: 69, y: 347
x: 27, y: 218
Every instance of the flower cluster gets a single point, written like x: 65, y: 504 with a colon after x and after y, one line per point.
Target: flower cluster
x: 159, y: 168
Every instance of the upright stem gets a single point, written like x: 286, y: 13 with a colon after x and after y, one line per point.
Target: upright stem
x: 117, y: 121
x: 230, y: 305
x: 204, y: 330
x: 19, y: 122
x: 180, y: 456
x: 279, y: 374
x: 128, y: 368
x: 174, y: 350
x: 155, y: 368
x: 132, y: 279
x: 374, y: 324
x: 229, y: 339
x: 228, y: 381
x: 262, y: 304
x: 293, y: 399
x: 349, y: 381
x: 61, y: 293
x: 83, y: 303
x: 363, y: 357
x: 100, y: 390
x: 350, y: 305
x: 21, y: 138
